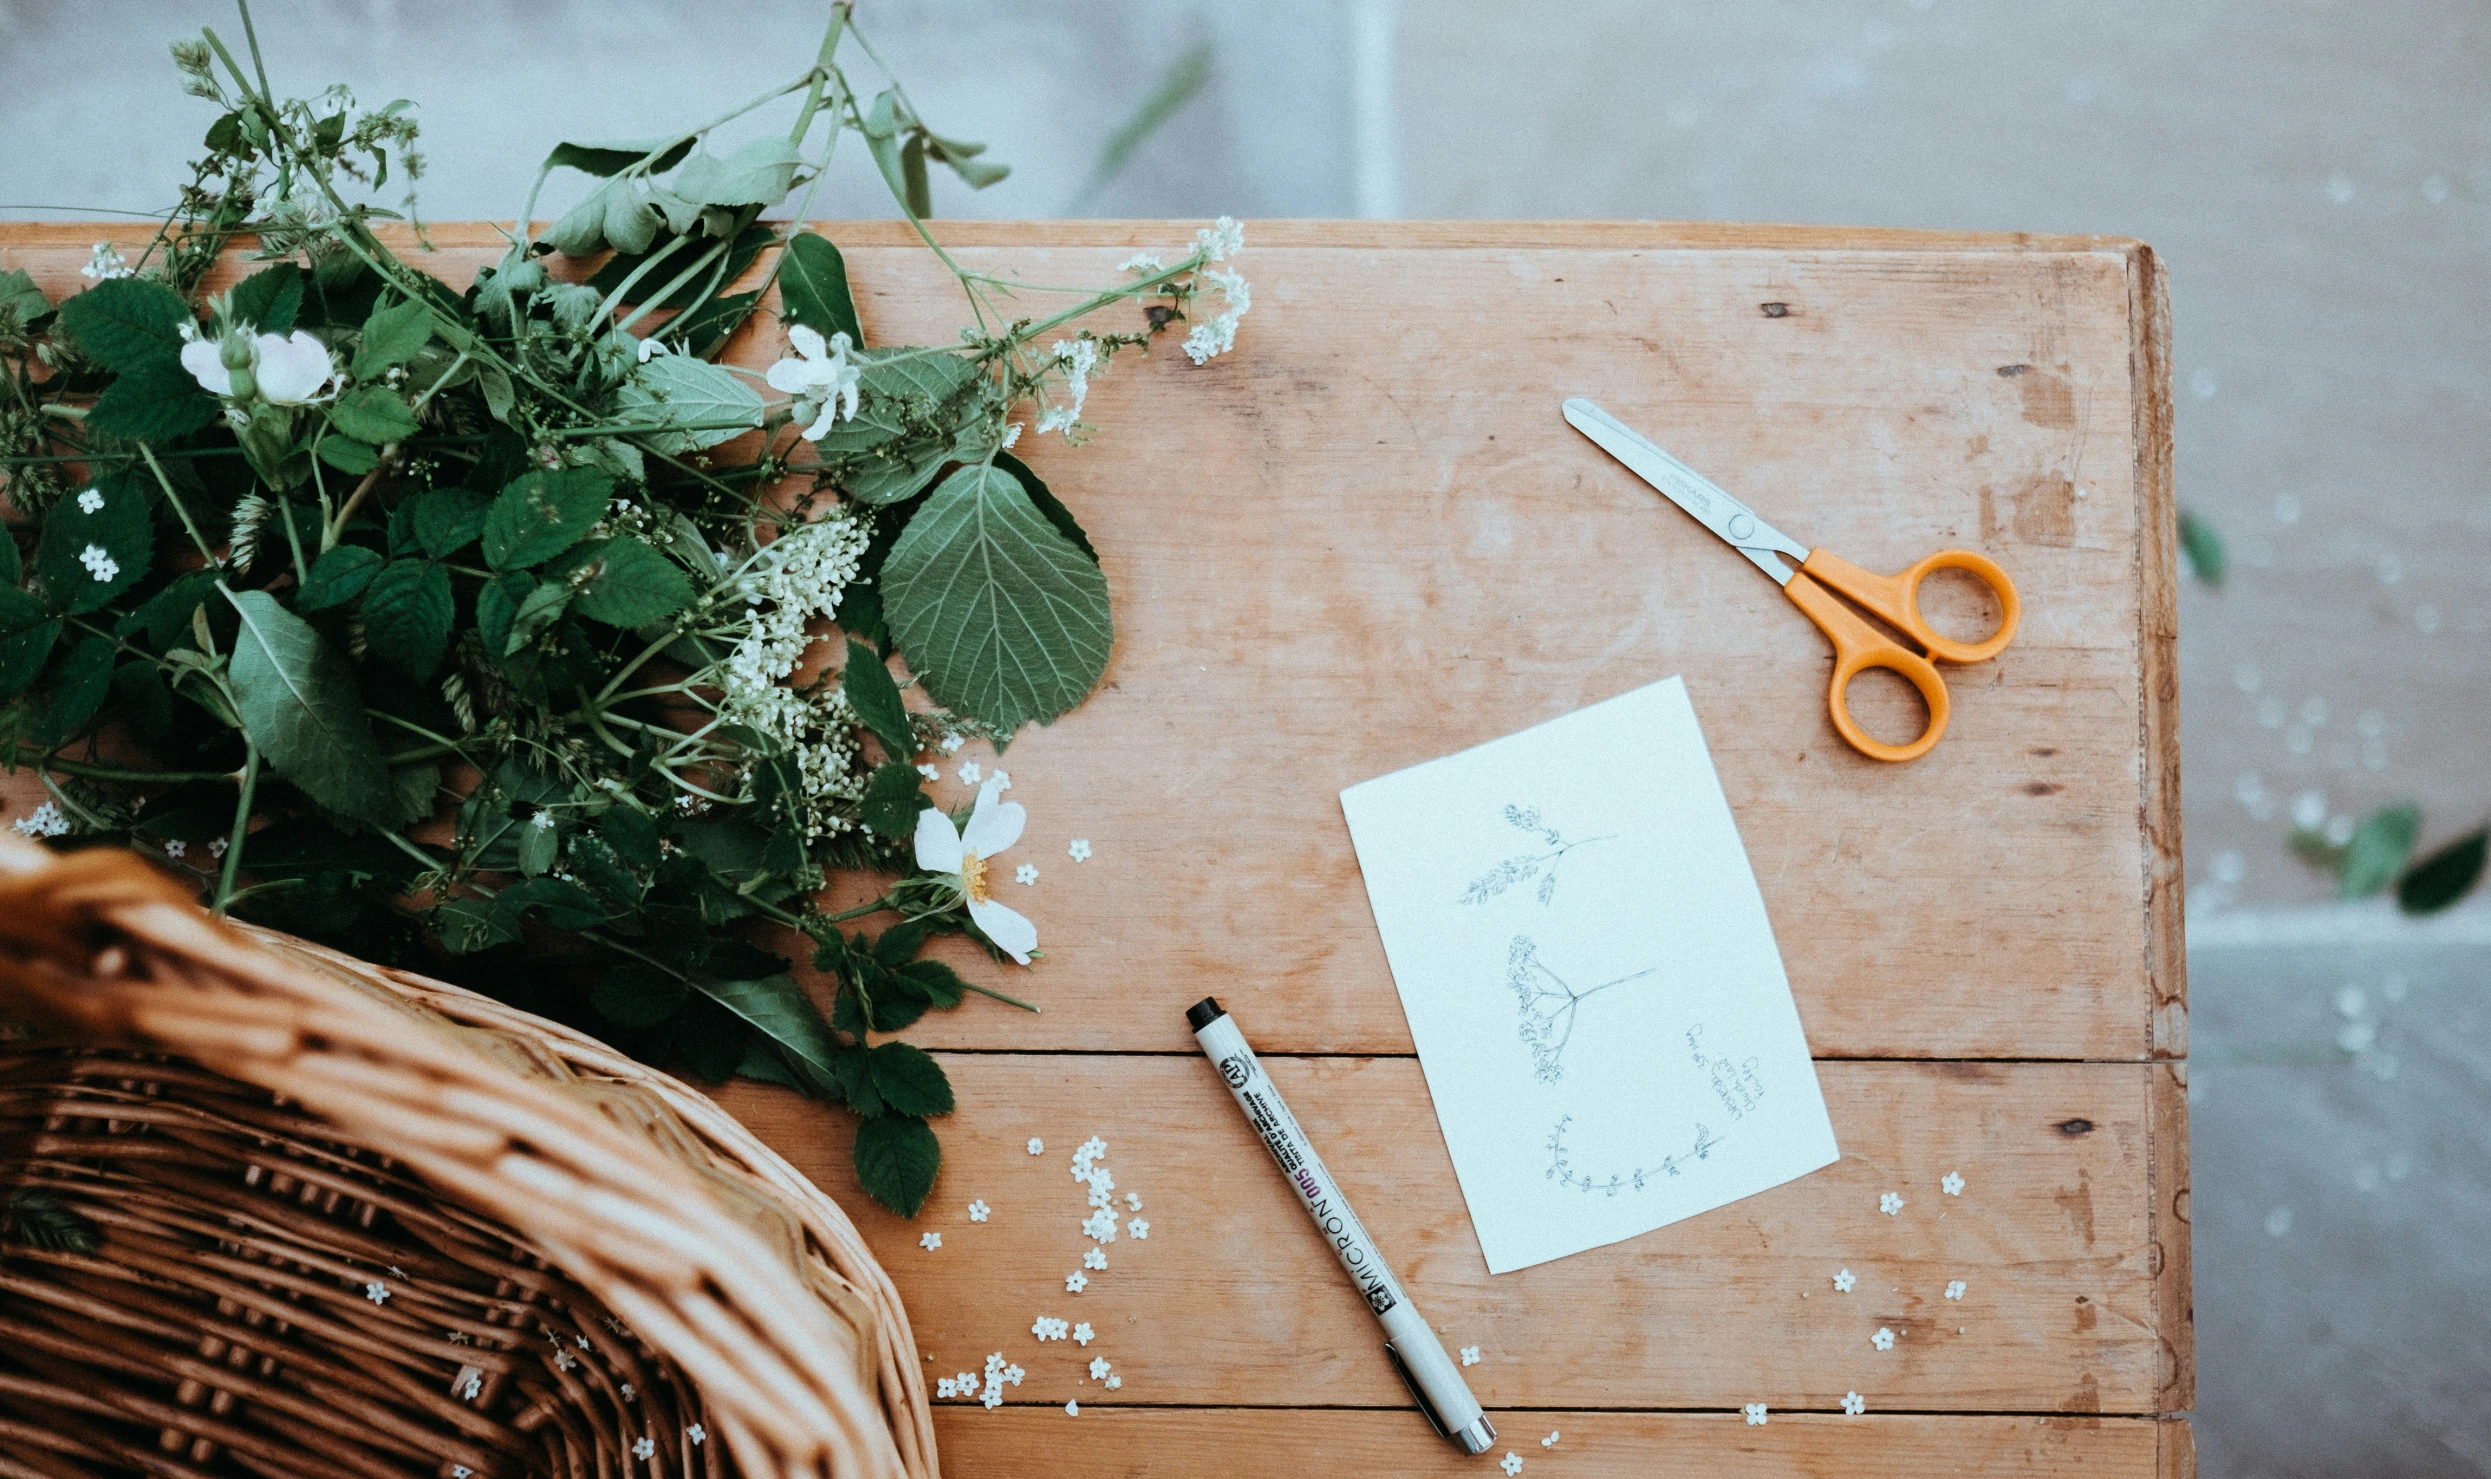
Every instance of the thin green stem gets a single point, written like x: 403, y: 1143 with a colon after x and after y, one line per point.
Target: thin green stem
x: 166, y: 483
x: 242, y: 829
x: 88, y: 770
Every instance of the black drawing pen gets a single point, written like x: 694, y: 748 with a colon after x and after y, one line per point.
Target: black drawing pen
x: 1408, y: 1342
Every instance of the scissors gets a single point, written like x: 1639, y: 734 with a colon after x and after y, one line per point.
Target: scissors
x: 1892, y: 599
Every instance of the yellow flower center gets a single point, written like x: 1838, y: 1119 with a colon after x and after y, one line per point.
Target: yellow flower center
x: 973, y: 877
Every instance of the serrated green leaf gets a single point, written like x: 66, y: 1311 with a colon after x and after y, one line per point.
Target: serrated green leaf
x: 300, y: 706
x: 125, y: 322
x: 892, y: 799
x: 2445, y: 876
x: 778, y: 1007
x: 153, y: 402
x: 1000, y: 616
x: 694, y: 403
x: 813, y: 288
x: 634, y: 995
x: 909, y: 1080
x: 78, y: 688
x: 876, y: 700
x: 269, y: 299
x: 757, y: 173
x: 119, y: 526
x: 407, y: 613
x: 348, y: 455
x: 628, y: 584
x: 939, y: 983
x: 2203, y: 546
x: 1044, y: 499
x: 373, y: 413
x: 542, y: 514
x: 393, y: 334
x: 614, y: 158
x: 338, y: 577
x: 896, y: 1159
x: 2378, y: 851
x: 27, y: 631
x: 447, y: 520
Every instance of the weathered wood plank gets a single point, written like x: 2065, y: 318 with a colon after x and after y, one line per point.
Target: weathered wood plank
x: 1231, y: 1299
x: 1372, y: 540
x: 1131, y: 1443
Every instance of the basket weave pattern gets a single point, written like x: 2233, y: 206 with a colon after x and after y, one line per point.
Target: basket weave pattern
x: 357, y: 1222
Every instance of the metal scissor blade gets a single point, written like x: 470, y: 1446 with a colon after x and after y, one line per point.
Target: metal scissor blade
x: 1734, y: 521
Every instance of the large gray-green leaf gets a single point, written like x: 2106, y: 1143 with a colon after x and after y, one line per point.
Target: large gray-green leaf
x: 757, y: 173
x: 700, y: 404
x: 899, y: 392
x: 616, y: 156
x: 541, y: 514
x: 301, y: 708
x: 999, y: 615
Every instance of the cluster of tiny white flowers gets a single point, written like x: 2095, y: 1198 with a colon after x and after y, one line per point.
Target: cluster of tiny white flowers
x: 1955, y: 1289
x: 99, y: 562
x: 1050, y: 1328
x: 44, y: 821
x: 800, y: 576
x: 1078, y: 357
x: 1217, y: 336
x: 104, y: 263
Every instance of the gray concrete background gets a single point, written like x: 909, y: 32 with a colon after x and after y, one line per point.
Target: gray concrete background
x: 2317, y: 174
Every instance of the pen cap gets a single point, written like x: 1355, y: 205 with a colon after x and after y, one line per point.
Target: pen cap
x: 1203, y: 1013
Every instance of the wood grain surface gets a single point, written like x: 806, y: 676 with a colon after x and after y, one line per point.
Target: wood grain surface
x: 1366, y: 539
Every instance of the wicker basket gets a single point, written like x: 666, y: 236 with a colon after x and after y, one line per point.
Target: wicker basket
x: 342, y: 1220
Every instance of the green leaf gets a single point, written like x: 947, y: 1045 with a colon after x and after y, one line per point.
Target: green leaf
x: 35, y: 1218
x: 165, y: 616
x: 628, y: 584
x: 705, y: 329
x: 20, y: 298
x: 2378, y: 851
x: 757, y: 173
x: 619, y: 267
x: 896, y: 1158
x: 918, y: 191
x: 909, y: 1080
x: 695, y: 403
x: 468, y: 925
x: 813, y: 288
x: 27, y: 632
x: 876, y: 699
x: 891, y: 800
x: 634, y: 995
x: 560, y: 903
x: 269, y: 299
x: 614, y: 158
x: 939, y: 983
x: 119, y: 526
x: 538, y: 845
x: 780, y: 1009
x: 407, y: 614
x: 2312, y: 847
x: 2203, y: 546
x: 153, y: 402
x: 447, y: 520
x: 373, y: 413
x: 78, y: 688
x: 1047, y: 503
x: 348, y: 455
x: 125, y: 322
x: 338, y: 577
x: 2445, y: 876
x: 395, y: 333
x: 1001, y: 617
x: 542, y: 607
x: 301, y: 708
x: 493, y: 383
x: 497, y: 608
x: 414, y: 792
x: 542, y: 514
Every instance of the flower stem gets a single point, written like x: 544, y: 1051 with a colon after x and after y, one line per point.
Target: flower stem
x: 242, y: 828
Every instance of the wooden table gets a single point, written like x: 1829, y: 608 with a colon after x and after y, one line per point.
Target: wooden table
x: 1365, y: 539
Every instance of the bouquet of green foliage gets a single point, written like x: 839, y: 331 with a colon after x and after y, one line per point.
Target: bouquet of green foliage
x: 472, y: 628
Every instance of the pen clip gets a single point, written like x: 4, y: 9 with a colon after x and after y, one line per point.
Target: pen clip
x: 1426, y: 1408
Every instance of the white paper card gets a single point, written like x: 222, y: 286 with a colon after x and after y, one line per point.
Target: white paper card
x: 1589, y: 974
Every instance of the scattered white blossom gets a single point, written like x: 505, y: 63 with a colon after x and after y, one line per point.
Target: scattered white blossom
x: 1133, y: 1199
x: 44, y: 821
x: 698, y: 1434
x: 645, y: 1449
x: 963, y: 854
x: 1098, y: 1368
x: 175, y: 847
x: 930, y: 1241
x: 1115, y: 1382
x: 460, y: 1471
x: 1511, y: 1463
x: 1216, y: 336
x: 1890, y: 1202
x: 376, y: 1292
x: 543, y: 821
x: 1551, y: 1440
x: 99, y: 562
x: 1047, y: 1328
x: 1138, y: 1228
x: 1099, y: 1227
x: 1076, y: 1281
x: 951, y: 744
x: 1953, y: 1184
x: 1080, y: 849
x: 629, y: 1392
x: 1143, y: 263
x: 819, y: 375
x: 979, y: 1211
x: 1844, y: 1280
x: 216, y: 847
x: 564, y: 1360
x: 1003, y: 778
x: 103, y: 263
x: 1073, y: 1408
x: 946, y: 1387
x: 474, y: 1387
x: 1755, y: 1414
x: 1037, y: 1146
x: 1954, y: 1290
x: 1086, y: 1152
x: 1080, y: 358
x: 91, y: 501
x: 1011, y: 434
x: 1025, y: 873
x: 1083, y: 1334
x: 1094, y: 1258
x: 1883, y: 1339
x: 969, y: 773
x: 930, y: 772
x: 1470, y: 1355
x: 1853, y: 1404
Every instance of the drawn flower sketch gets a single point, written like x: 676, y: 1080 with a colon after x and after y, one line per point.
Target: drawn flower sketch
x: 1524, y: 866
x: 1549, y: 1004
x: 1561, y: 1167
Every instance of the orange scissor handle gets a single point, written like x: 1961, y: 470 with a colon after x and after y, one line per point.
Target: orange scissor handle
x: 1857, y: 648
x: 1895, y: 599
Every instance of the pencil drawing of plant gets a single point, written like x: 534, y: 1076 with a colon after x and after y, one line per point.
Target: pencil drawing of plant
x: 1561, y: 1168
x: 1549, y: 1005
x: 1523, y: 867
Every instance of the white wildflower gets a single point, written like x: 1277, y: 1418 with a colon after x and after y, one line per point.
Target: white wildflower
x: 1853, y: 1404
x: 1099, y: 1367
x: 1080, y: 850
x: 91, y: 501
x: 1952, y: 1185
x: 1025, y: 873
x: 103, y: 264
x: 1095, y: 1258
x: 1883, y: 1339
x: 377, y: 1293
x: 288, y: 370
x: 1511, y: 1463
x: 1076, y: 1281
x: 1843, y: 1280
x: 99, y: 562
x: 1079, y: 357
x: 1003, y: 778
x: 175, y: 847
x: 1072, y: 1408
x: 1114, y: 1382
x: 1954, y: 1290
x: 44, y: 821
x: 1470, y: 1355
x: 543, y: 821
x: 1133, y: 1199
x: 1037, y: 1146
x: 1551, y: 1440
x: 964, y: 854
x: 1890, y: 1203
x: 1011, y: 435
x: 929, y: 772
x: 645, y: 1449
x: 1083, y: 1334
x: 979, y: 1211
x: 946, y: 1387
x: 1220, y: 240
x: 1138, y: 1228
x: 951, y: 743
x: 698, y: 1434
x: 930, y: 1241
x: 970, y: 774
x: 818, y: 374
x: 1755, y: 1414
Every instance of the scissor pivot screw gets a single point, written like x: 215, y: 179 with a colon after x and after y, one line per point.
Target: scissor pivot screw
x: 1741, y: 526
